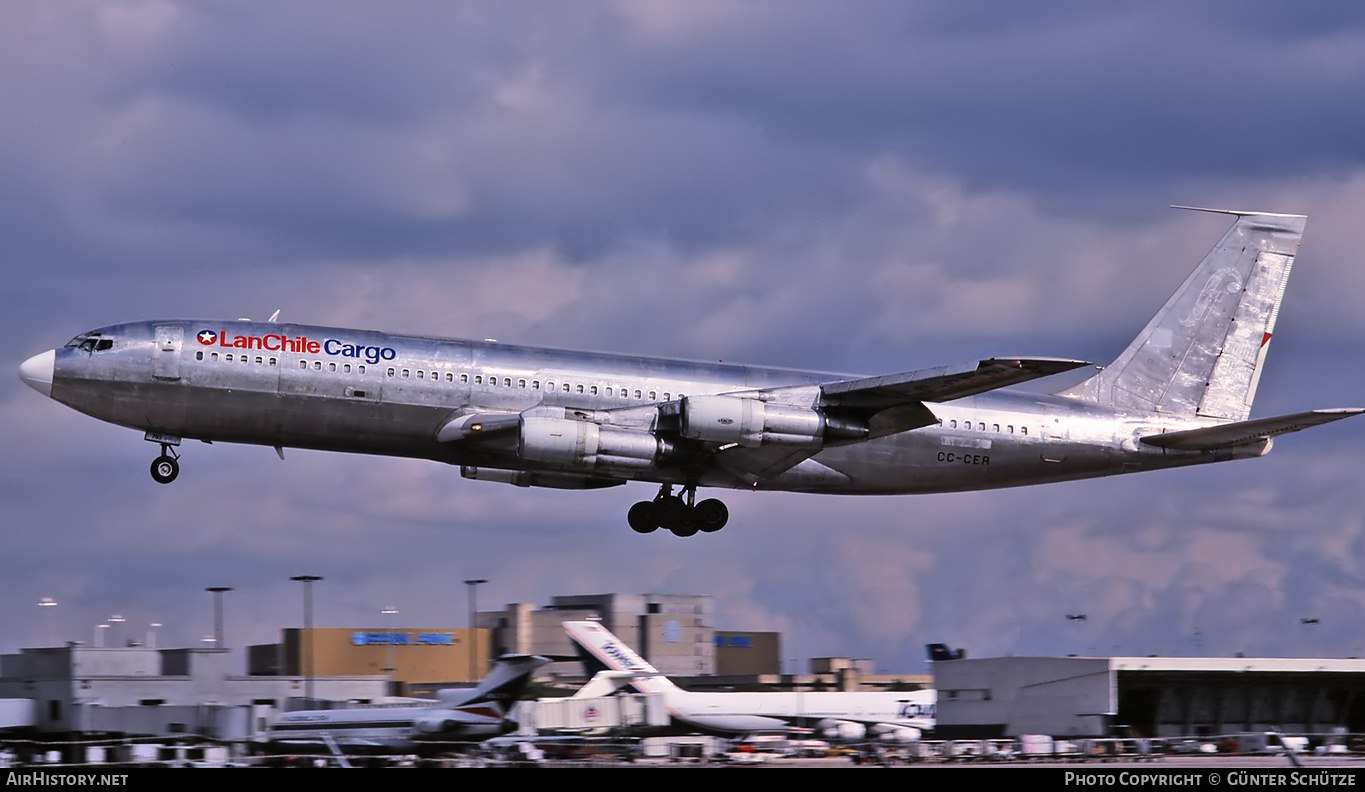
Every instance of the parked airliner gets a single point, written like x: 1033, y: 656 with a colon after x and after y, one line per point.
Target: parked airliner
x: 1180, y: 394
x: 890, y: 717
x: 462, y: 716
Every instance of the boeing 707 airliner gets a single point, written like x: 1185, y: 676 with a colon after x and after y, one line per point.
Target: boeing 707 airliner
x: 1180, y: 394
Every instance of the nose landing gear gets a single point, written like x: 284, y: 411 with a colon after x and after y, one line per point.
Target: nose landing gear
x: 682, y: 517
x: 167, y: 466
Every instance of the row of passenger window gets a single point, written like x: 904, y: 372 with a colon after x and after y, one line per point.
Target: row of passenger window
x: 435, y: 376
x: 981, y: 427
x: 262, y: 360
x: 478, y: 379
x: 492, y: 381
x: 230, y: 358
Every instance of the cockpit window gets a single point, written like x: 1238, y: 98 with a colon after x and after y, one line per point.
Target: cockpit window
x: 91, y: 342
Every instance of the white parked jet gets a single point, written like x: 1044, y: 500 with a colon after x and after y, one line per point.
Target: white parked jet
x: 462, y: 716
x: 1180, y: 394
x: 889, y: 717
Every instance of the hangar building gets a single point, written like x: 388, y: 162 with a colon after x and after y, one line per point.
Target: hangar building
x: 1146, y: 696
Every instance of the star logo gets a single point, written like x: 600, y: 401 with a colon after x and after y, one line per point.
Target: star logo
x: 207, y: 337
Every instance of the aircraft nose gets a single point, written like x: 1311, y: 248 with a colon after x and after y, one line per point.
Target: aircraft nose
x: 36, y: 372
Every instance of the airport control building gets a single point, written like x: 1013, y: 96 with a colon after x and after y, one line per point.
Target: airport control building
x: 675, y: 632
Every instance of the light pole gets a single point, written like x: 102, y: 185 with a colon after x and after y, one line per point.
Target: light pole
x: 306, y: 659
x: 1077, y: 618
x: 473, y: 636
x: 390, y: 611
x: 47, y: 603
x: 217, y: 592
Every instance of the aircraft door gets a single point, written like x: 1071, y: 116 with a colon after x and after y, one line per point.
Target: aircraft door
x: 166, y: 357
x: 1055, y: 436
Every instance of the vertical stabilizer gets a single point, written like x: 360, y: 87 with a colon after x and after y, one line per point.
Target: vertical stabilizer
x: 1202, y: 354
x: 600, y: 651
x: 503, y: 686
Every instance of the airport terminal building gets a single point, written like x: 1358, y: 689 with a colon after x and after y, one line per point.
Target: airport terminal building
x: 142, y: 690
x: 139, y: 690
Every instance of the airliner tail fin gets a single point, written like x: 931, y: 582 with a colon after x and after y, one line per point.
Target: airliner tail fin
x: 1203, y: 352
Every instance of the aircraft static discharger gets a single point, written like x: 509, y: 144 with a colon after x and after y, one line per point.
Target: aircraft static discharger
x: 1180, y: 394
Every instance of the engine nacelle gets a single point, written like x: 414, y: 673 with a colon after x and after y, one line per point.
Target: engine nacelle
x: 432, y: 724
x: 750, y: 422
x: 538, y: 478
x: 582, y: 444
x: 896, y: 734
x: 841, y: 730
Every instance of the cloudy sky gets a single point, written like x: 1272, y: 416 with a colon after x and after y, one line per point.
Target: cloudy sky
x: 855, y: 186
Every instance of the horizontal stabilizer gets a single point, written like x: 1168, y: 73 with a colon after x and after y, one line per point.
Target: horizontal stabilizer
x: 943, y: 383
x: 1210, y: 438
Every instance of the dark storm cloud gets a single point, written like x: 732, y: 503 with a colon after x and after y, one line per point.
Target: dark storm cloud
x: 1060, y: 94
x: 862, y: 187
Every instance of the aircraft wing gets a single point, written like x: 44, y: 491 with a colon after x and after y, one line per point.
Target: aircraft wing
x: 941, y: 384
x: 890, y: 405
x: 1226, y: 435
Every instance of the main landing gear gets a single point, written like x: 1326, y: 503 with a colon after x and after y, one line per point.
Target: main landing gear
x: 682, y: 517
x: 167, y: 466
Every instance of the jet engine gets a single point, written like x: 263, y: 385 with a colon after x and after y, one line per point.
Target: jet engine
x: 538, y: 478
x: 896, y: 734
x: 841, y: 730
x: 433, y: 724
x: 582, y: 444
x: 750, y: 422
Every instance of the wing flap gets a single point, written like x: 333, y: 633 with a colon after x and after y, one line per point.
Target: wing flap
x: 943, y: 383
x: 754, y: 466
x: 1210, y: 438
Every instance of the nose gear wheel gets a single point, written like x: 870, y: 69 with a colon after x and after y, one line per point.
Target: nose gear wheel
x: 165, y: 467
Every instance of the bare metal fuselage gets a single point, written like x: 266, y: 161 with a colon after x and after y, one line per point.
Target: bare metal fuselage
x: 367, y: 392
x: 384, y: 728
x: 1179, y: 394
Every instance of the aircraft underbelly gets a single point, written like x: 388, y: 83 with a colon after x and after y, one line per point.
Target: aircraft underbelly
x: 239, y: 415
x: 923, y: 462
x: 732, y: 724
